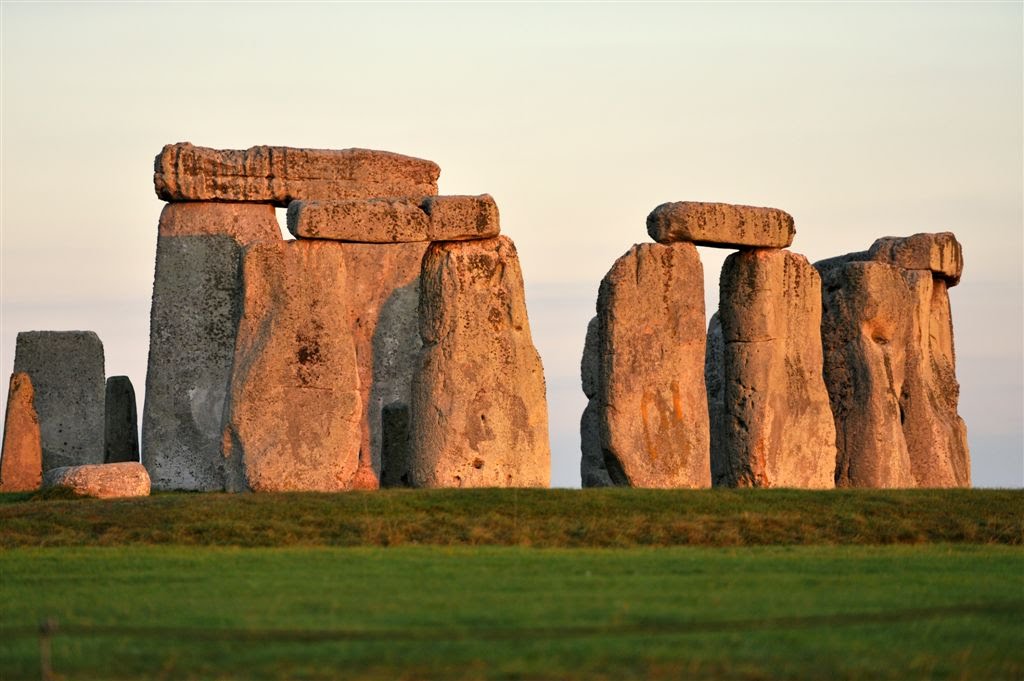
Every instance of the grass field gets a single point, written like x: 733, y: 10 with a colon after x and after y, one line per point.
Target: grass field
x: 867, y: 585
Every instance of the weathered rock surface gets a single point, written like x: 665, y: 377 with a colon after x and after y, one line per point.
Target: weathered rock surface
x: 193, y: 321
x: 21, y: 466
x: 294, y: 410
x: 122, y: 425
x: 396, y: 220
x: 67, y: 374
x: 278, y: 175
x: 721, y: 224
x: 927, y: 392
x: 771, y: 424
x: 382, y: 292
x: 479, y: 411
x: 651, y: 342
x: 938, y: 253
x: 105, y: 481
x: 593, y: 472
x: 866, y: 332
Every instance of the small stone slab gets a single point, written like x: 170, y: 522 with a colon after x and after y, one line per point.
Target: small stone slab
x: 66, y: 368
x: 278, y: 175
x: 21, y: 468
x: 940, y: 253
x: 721, y: 225
x: 122, y: 422
x: 104, y: 481
x: 398, y: 220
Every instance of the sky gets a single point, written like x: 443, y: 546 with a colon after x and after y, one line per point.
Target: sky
x: 860, y: 119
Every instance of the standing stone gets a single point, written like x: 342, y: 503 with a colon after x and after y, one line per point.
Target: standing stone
x: 771, y: 425
x: 866, y: 332
x: 936, y: 435
x: 479, y: 412
x: 196, y: 306
x: 651, y: 341
x: 721, y: 225
x: 383, y: 293
x: 21, y: 465
x: 122, y: 427
x: 66, y: 370
x: 593, y: 472
x: 278, y: 175
x: 294, y: 410
x: 933, y: 434
x: 103, y: 481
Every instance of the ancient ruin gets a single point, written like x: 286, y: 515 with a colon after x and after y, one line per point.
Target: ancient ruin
x: 121, y: 421
x: 103, y: 481
x: 21, y: 468
x: 890, y: 363
x: 298, y: 372
x: 69, y: 386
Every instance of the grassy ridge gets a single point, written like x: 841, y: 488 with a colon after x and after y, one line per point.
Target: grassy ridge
x: 817, y: 612
x: 541, y: 518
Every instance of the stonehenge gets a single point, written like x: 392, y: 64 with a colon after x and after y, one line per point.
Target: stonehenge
x: 837, y: 374
x: 69, y: 387
x: 293, y: 365
x: 103, y: 481
x: 890, y: 364
x: 388, y: 345
x: 21, y: 468
x: 121, y: 432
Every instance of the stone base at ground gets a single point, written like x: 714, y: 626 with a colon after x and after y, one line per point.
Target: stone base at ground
x: 104, y: 481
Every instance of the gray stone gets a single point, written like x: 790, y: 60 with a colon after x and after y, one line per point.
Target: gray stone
x: 771, y: 425
x: 479, y: 410
x: 593, y: 472
x: 66, y: 369
x: 122, y: 427
x: 193, y: 323
x: 651, y: 342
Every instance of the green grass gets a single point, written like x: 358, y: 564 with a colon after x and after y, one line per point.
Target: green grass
x: 539, y: 518
x: 933, y: 611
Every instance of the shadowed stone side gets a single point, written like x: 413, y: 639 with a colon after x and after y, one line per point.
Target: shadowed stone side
x: 122, y: 434
x: 865, y: 332
x: 193, y: 321
x: 383, y: 293
x: 21, y: 465
x: 771, y: 421
x: 66, y: 369
x: 721, y: 225
x: 592, y: 469
x: 294, y: 411
x: 278, y: 175
x: 651, y: 340
x: 104, y: 481
x: 479, y: 411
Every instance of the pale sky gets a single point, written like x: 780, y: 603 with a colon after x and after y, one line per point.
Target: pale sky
x: 861, y: 120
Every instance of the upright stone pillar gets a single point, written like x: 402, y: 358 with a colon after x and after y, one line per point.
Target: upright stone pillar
x: 593, y: 472
x: 21, y: 464
x: 479, y: 411
x: 294, y: 410
x: 122, y: 426
x: 771, y: 425
x: 652, y: 405
x: 66, y: 370
x: 195, y: 312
